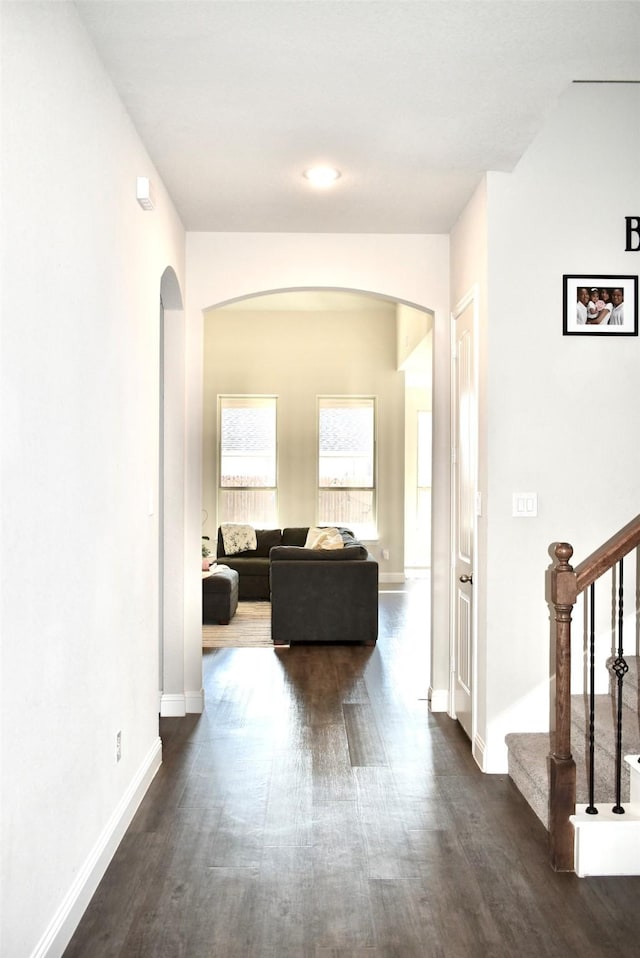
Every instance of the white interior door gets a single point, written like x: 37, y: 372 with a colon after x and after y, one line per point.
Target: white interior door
x: 464, y: 518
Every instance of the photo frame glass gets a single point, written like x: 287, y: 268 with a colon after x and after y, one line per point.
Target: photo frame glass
x: 600, y: 305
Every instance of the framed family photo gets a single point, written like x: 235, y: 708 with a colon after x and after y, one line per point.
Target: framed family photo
x: 600, y: 305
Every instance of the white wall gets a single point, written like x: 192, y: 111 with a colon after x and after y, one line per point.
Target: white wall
x: 412, y: 330
x: 227, y: 266
x: 82, y: 265
x: 299, y: 355
x: 562, y: 411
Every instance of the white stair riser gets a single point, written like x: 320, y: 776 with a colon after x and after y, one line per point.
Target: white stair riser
x: 607, y: 843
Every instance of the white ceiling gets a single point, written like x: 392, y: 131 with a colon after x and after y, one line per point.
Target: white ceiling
x: 413, y: 101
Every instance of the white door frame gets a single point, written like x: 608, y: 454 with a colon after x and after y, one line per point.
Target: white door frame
x: 171, y: 486
x: 471, y: 298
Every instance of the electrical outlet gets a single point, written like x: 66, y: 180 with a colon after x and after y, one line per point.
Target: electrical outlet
x: 118, y: 746
x: 385, y: 553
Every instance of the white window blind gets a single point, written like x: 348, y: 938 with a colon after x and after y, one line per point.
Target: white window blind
x: 346, y: 463
x: 247, y: 489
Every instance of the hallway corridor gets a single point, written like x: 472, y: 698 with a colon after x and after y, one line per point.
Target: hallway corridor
x: 317, y: 809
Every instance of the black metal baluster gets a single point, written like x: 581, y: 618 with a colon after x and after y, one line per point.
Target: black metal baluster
x: 591, y: 808
x: 620, y: 667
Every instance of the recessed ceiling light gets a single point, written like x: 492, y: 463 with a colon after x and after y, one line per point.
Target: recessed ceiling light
x: 322, y: 175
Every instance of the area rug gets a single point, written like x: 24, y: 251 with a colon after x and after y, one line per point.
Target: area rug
x: 249, y: 628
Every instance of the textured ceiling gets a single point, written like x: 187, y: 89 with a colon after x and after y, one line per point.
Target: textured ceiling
x: 413, y: 101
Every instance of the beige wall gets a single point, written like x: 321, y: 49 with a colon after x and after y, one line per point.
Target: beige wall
x: 298, y: 355
x: 417, y: 547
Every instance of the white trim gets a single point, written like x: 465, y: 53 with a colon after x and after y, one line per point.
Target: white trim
x: 495, y: 757
x: 194, y: 702
x: 61, y: 928
x: 179, y: 704
x: 391, y: 577
x: 173, y: 705
x: 606, y: 843
x: 478, y: 751
x: 438, y: 700
x: 470, y: 298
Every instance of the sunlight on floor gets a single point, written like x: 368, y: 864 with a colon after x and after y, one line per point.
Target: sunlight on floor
x: 405, y: 623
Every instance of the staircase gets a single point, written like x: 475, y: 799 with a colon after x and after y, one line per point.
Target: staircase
x: 606, y: 843
x: 552, y: 770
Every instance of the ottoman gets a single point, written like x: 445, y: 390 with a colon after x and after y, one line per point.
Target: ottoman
x: 219, y: 596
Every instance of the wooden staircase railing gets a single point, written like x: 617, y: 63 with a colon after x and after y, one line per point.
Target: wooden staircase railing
x: 566, y: 585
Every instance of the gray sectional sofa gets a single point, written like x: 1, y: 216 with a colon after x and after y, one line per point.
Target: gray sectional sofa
x: 317, y: 595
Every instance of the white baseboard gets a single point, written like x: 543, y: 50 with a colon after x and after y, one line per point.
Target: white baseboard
x: 478, y: 752
x: 179, y: 704
x: 438, y: 700
x: 173, y: 704
x: 495, y: 756
x: 66, y: 920
x: 194, y: 702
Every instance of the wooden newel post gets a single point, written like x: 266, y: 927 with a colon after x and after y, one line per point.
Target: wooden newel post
x: 562, y: 798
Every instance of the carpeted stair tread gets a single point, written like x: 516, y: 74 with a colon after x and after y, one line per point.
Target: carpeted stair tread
x: 529, y: 770
x: 605, y: 717
x: 529, y: 751
x: 630, y: 688
x: 528, y: 754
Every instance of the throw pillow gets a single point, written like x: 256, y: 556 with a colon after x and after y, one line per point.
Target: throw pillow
x: 238, y: 538
x: 323, y: 539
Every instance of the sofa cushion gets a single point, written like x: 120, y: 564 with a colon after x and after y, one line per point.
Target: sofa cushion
x: 265, y: 539
x: 299, y: 553
x: 249, y: 564
x: 295, y: 536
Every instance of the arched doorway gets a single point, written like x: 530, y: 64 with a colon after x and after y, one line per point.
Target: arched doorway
x: 412, y: 269
x: 303, y: 342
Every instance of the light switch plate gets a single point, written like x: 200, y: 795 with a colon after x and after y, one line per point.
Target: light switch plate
x: 525, y: 505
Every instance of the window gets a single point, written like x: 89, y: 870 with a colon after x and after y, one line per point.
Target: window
x: 346, y: 458
x: 247, y: 490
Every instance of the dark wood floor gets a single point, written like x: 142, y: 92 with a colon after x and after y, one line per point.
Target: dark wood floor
x: 317, y: 809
